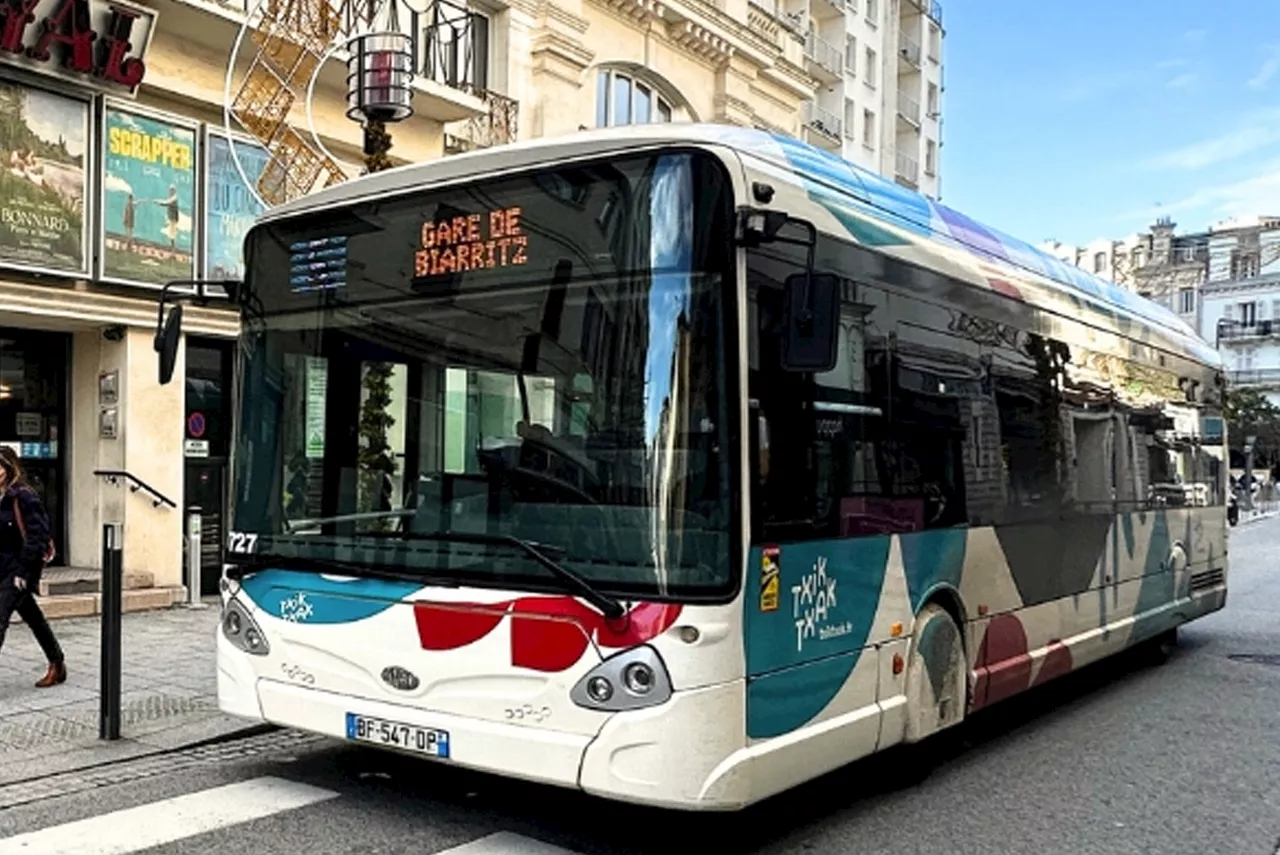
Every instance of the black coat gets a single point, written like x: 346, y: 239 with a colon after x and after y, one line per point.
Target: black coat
x: 25, y: 558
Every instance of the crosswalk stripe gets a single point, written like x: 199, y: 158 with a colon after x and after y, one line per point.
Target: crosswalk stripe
x: 156, y: 823
x: 504, y: 843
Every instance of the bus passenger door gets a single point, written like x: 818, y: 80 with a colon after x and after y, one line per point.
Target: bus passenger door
x: 815, y: 576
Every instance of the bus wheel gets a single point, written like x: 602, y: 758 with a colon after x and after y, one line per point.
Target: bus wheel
x: 1156, y: 651
x: 937, y: 697
x: 937, y: 688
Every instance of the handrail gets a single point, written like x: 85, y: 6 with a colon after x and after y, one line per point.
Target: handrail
x: 113, y: 476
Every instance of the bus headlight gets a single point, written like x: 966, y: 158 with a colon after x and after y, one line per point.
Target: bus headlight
x: 242, y: 630
x: 632, y: 680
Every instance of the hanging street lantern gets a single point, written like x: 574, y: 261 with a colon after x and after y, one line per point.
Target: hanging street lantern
x: 380, y: 74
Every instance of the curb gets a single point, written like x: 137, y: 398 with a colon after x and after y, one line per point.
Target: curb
x: 247, y: 731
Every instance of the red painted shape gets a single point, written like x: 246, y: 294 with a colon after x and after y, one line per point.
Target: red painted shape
x: 1004, y: 666
x: 1005, y: 287
x: 550, y: 633
x: 547, y: 633
x: 643, y: 623
x: 448, y: 626
x: 1057, y: 662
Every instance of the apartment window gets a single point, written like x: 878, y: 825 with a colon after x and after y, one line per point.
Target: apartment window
x: 1248, y: 313
x: 1139, y: 257
x: 873, y: 12
x: 1244, y: 264
x: 624, y: 100
x: 850, y: 117
x: 1099, y: 262
x: 851, y: 56
x: 870, y: 75
x: 1187, y: 301
x: 1275, y: 310
x: 868, y: 129
x: 931, y: 100
x: 935, y: 43
x: 930, y: 157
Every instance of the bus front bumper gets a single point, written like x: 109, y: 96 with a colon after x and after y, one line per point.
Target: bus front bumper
x: 671, y: 756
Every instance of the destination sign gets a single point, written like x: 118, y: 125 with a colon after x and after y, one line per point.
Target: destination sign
x: 471, y: 242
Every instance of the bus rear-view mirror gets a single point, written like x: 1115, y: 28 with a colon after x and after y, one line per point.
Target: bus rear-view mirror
x: 811, y: 322
x: 167, y: 343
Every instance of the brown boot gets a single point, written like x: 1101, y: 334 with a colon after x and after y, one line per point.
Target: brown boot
x: 56, y: 674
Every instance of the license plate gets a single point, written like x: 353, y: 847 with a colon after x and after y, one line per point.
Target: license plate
x: 394, y: 734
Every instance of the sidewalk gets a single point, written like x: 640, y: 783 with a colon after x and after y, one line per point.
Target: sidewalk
x: 168, y: 696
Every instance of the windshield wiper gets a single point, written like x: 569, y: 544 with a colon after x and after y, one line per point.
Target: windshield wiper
x: 607, y: 605
x: 241, y: 565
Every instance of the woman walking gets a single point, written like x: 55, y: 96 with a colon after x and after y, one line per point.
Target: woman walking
x: 25, y: 547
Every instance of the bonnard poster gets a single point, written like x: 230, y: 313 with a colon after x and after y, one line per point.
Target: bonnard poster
x: 230, y: 204
x: 42, y: 148
x: 149, y: 185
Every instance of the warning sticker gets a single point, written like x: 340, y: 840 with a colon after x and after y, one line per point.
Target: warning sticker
x: 770, y: 578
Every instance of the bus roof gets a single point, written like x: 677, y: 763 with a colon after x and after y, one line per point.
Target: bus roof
x: 927, y: 221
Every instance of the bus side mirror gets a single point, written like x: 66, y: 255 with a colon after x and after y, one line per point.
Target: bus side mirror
x: 166, y: 343
x: 811, y: 322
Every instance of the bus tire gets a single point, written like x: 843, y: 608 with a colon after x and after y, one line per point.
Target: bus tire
x: 1156, y: 651
x: 937, y: 675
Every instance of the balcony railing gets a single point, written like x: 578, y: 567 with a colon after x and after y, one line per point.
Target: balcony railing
x: 935, y: 11
x: 907, y: 168
x: 909, y: 108
x: 823, y: 53
x: 909, y: 49
x: 497, y: 126
x: 822, y: 121
x: 453, y: 48
x: 1255, y: 377
x: 1235, y: 330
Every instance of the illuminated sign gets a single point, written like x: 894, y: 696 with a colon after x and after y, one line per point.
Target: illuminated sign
x: 95, y: 42
x: 471, y: 242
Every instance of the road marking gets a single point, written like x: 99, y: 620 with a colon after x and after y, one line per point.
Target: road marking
x: 502, y: 843
x: 161, y: 822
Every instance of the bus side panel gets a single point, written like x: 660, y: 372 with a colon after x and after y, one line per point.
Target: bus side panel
x: 820, y: 619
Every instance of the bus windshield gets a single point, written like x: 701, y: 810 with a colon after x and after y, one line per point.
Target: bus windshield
x: 541, y: 357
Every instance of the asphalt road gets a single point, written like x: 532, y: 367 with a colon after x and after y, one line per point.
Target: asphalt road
x: 1181, y: 758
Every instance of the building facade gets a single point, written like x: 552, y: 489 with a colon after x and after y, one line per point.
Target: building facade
x: 119, y: 176
x: 146, y: 161
x: 1241, y: 303
x: 879, y: 99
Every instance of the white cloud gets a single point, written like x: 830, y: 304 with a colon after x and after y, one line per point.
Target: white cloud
x: 1258, y: 194
x: 1269, y: 68
x: 1184, y: 82
x: 1257, y: 132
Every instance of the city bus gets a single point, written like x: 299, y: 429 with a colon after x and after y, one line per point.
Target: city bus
x: 681, y: 464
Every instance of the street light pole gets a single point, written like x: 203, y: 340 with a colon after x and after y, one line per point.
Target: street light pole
x: 377, y: 143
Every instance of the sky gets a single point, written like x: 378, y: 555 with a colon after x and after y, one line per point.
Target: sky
x: 1089, y: 119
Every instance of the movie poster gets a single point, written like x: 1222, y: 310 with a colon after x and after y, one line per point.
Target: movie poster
x: 42, y: 147
x: 149, y: 197
x: 231, y: 206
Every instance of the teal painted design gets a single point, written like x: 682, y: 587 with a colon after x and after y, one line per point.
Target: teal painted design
x: 1126, y: 526
x: 786, y: 700
x: 931, y: 559
x: 311, y: 598
x: 803, y: 650
x: 859, y: 223
x: 1157, y: 579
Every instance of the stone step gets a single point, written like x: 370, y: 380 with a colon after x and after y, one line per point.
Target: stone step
x: 88, y: 605
x: 67, y: 581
